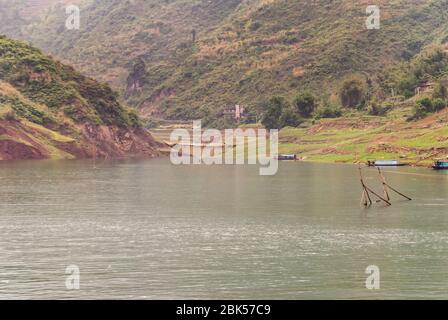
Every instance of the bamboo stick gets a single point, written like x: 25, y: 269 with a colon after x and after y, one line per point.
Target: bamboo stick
x: 398, y: 192
x: 365, y: 194
x: 363, y: 198
x: 383, y: 180
x: 379, y: 197
x: 386, y: 185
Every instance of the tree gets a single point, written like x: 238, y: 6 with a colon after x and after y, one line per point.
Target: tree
x: 419, y: 112
x: 328, y: 111
x: 433, y: 61
x: 353, y: 92
x: 440, y: 92
x: 272, y: 111
x: 422, y: 108
x: 407, y: 85
x: 426, y: 103
x: 438, y: 104
x: 137, y: 77
x: 305, y: 104
x: 290, y: 119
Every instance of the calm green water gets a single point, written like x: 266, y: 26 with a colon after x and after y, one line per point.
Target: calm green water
x: 147, y: 229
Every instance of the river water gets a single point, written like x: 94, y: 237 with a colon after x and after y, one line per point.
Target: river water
x: 150, y: 230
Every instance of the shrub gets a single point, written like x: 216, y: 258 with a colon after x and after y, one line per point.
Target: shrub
x: 377, y: 110
x: 305, y: 104
x: 426, y: 104
x: 440, y: 91
x: 406, y: 86
x: 421, y: 109
x: 433, y: 61
x: 272, y: 111
x: 290, y: 119
x: 419, y: 112
x: 329, y: 111
x: 353, y: 92
x: 438, y: 104
x: 134, y: 119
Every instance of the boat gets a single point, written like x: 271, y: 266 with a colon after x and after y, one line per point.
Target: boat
x: 385, y: 163
x: 287, y: 157
x: 440, y: 165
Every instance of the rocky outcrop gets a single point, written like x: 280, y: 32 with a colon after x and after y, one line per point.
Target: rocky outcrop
x: 19, y: 141
x: 112, y: 141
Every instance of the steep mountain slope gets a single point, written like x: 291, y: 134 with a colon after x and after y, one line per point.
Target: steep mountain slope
x: 115, y: 33
x: 243, y: 51
x: 48, y: 110
x: 18, y: 16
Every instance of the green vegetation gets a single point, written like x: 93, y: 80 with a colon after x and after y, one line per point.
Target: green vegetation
x: 52, y: 84
x: 339, y: 91
x: 272, y: 113
x: 279, y: 113
x: 328, y: 111
x: 358, y: 139
x: 49, y: 110
x: 425, y: 106
x: 305, y: 104
x: 353, y: 93
x: 21, y: 109
x: 245, y: 52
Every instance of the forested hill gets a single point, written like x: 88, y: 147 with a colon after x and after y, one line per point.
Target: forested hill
x: 192, y: 58
x: 49, y: 110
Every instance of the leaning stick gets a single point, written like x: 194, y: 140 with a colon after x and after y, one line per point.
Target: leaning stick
x: 363, y: 198
x: 383, y: 180
x: 388, y: 203
x: 365, y: 195
x: 391, y: 188
x: 370, y: 190
x: 398, y: 192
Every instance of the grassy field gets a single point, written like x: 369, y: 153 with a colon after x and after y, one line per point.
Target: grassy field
x: 353, y: 140
x: 361, y: 138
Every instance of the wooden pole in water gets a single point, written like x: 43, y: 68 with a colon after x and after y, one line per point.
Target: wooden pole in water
x: 387, y: 186
x: 365, y: 198
x: 367, y: 192
x: 383, y: 180
x: 398, y: 192
x: 378, y: 196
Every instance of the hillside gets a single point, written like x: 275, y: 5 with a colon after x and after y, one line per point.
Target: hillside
x: 244, y: 51
x: 358, y: 139
x: 16, y: 17
x: 48, y: 110
x: 114, y: 34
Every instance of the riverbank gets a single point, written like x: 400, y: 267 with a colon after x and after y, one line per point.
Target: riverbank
x: 355, y: 140
x: 360, y: 138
